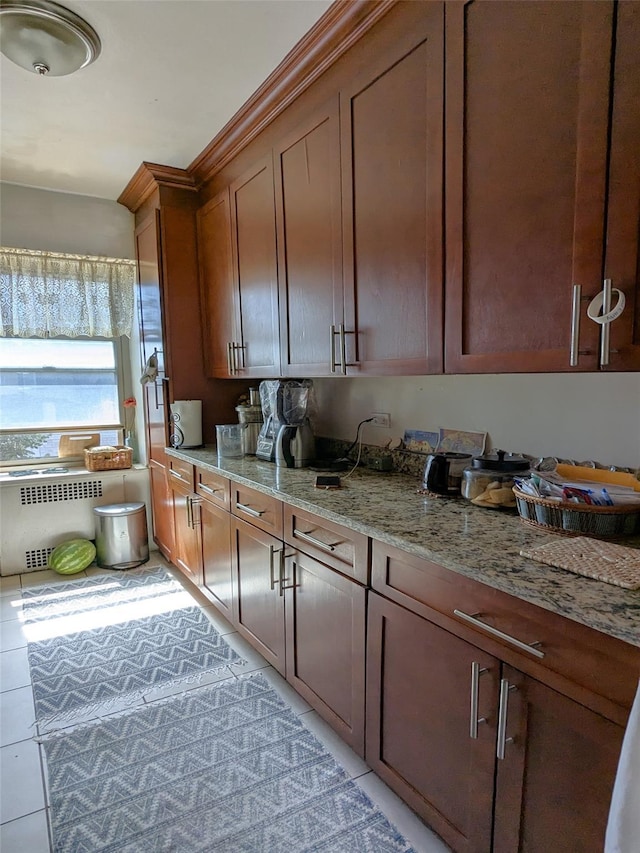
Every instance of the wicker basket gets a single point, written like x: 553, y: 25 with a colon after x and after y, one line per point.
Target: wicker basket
x: 578, y: 519
x: 99, y: 459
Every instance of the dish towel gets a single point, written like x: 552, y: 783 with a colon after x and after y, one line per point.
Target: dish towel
x: 623, y: 827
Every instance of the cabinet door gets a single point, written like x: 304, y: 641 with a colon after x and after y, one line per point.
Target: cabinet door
x: 527, y: 116
x: 219, y: 305
x: 309, y: 244
x: 216, y: 556
x: 391, y: 148
x: 256, y: 270
x: 258, y: 597
x: 557, y: 773
x: 420, y: 705
x: 162, y: 508
x: 325, y: 615
x: 622, y: 259
x: 187, y: 553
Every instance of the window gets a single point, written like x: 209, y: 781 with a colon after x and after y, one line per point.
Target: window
x: 49, y: 387
x: 64, y: 356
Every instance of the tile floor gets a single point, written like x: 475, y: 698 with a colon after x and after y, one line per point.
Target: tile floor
x: 23, y: 805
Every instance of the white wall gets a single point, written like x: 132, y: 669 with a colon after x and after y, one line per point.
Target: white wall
x: 61, y: 222
x: 572, y: 416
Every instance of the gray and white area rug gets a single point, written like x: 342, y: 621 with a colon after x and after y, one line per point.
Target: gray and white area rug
x: 95, y: 644
x: 226, y: 768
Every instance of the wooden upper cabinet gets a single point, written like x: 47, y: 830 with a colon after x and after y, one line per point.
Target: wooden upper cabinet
x: 255, y: 267
x: 622, y: 254
x: 219, y: 307
x: 526, y: 152
x: 147, y: 236
x: 391, y: 149
x: 307, y: 164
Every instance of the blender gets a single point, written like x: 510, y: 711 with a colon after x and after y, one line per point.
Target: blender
x: 286, y: 437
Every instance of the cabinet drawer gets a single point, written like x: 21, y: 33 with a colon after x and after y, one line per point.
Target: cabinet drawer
x: 180, y: 471
x: 568, y: 656
x: 345, y: 550
x: 261, y: 510
x: 213, y: 488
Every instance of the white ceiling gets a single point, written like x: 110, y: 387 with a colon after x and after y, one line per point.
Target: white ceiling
x: 170, y: 76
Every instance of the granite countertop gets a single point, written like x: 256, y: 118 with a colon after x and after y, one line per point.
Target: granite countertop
x: 481, y: 544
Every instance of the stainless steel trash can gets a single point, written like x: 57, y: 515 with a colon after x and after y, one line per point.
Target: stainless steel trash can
x: 121, y: 535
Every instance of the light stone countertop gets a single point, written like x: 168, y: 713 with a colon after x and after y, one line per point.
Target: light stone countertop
x: 481, y: 544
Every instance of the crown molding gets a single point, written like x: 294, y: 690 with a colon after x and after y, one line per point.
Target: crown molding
x: 343, y: 24
x: 148, y: 178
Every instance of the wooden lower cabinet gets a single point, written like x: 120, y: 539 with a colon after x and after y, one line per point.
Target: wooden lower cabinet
x: 162, y: 508
x: 557, y: 773
x: 553, y: 765
x: 187, y: 552
x: 215, y: 532
x: 325, y: 643
x: 257, y: 596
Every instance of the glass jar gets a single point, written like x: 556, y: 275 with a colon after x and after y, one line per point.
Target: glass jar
x: 489, y: 480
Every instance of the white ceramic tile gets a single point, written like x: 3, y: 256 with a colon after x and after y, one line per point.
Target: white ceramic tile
x: 27, y: 834
x: 9, y: 584
x: 12, y: 635
x: 408, y: 824
x: 22, y: 789
x: 11, y: 606
x: 295, y: 701
x: 44, y: 576
x: 14, y: 669
x: 253, y: 659
x: 184, y: 686
x: 222, y: 625
x: 342, y: 753
x: 17, y: 715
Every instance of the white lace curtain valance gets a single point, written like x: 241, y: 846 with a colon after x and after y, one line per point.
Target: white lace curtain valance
x: 44, y: 294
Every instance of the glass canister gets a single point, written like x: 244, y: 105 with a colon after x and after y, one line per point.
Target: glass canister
x: 489, y: 480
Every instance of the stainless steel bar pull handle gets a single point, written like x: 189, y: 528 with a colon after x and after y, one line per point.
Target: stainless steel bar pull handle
x: 229, y: 359
x: 575, y: 325
x: 196, y: 519
x: 189, y: 513
x: 208, y: 489
x: 605, y: 333
x: 495, y: 632
x: 272, y: 577
x: 503, y: 711
x: 256, y: 513
x: 312, y: 540
x: 476, y: 672
x: 332, y: 348
x: 343, y: 349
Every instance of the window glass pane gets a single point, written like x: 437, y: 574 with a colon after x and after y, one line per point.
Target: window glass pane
x: 55, y: 383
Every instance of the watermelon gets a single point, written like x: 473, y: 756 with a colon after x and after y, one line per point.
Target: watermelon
x: 72, y: 556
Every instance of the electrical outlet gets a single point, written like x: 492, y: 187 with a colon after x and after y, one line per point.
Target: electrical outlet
x: 381, y: 419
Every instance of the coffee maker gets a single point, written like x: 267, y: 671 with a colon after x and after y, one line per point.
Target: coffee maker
x: 286, y: 437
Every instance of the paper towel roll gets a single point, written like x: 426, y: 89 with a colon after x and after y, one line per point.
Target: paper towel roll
x: 186, y: 423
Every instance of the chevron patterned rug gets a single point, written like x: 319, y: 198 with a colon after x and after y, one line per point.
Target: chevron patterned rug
x: 98, y: 644
x: 224, y: 768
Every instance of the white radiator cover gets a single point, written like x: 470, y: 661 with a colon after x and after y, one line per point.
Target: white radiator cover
x: 38, y: 512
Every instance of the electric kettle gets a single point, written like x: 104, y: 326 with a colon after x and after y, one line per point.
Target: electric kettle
x: 443, y: 472
x: 295, y: 446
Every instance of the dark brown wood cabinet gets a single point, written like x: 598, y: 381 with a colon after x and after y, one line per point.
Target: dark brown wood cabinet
x: 187, y: 548
x: 162, y: 504
x: 258, y: 597
x: 391, y: 148
x: 220, y: 315
x: 541, y: 185
x: 215, y: 531
x: 307, y: 173
x: 325, y: 643
x: 256, y: 350
x: 524, y: 709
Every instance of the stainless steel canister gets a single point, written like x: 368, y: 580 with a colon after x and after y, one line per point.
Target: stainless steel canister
x: 251, y: 417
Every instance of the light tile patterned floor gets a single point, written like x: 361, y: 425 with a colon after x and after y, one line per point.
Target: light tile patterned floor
x: 23, y: 807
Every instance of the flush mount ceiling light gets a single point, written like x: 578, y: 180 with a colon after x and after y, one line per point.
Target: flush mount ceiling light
x: 46, y: 38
